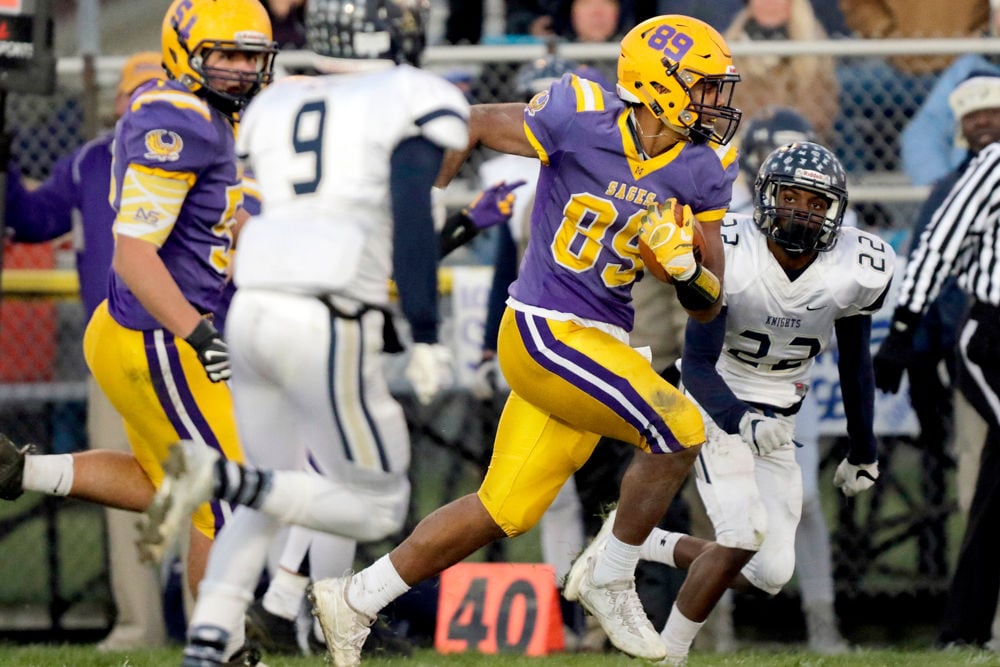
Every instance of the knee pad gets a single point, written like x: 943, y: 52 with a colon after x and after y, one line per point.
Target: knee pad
x: 771, y: 570
x: 729, y: 490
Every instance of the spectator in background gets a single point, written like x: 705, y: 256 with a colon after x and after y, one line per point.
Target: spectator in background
x: 590, y: 21
x: 960, y: 236
x: 532, y: 17
x: 930, y: 143
x: 718, y: 13
x: 288, y: 22
x: 464, y: 24
x: 893, y: 19
x: 807, y: 83
x: 881, y: 94
x: 574, y: 20
x: 74, y: 198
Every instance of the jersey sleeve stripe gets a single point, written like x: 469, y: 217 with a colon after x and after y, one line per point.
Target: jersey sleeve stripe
x: 150, y: 204
x: 727, y: 155
x: 188, y: 177
x: 537, y: 145
x: 589, y: 96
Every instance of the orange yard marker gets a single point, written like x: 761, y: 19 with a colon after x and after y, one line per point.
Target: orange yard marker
x: 499, y: 608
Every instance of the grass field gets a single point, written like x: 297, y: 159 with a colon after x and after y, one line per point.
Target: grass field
x: 87, y: 656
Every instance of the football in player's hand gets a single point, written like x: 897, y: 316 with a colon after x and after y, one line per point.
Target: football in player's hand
x: 653, y: 267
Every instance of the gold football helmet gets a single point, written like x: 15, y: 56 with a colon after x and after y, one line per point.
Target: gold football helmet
x: 193, y: 29
x: 662, y: 61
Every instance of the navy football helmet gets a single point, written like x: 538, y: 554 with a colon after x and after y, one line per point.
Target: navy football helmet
x: 368, y: 29
x: 535, y: 76
x: 806, y: 166
x: 772, y: 127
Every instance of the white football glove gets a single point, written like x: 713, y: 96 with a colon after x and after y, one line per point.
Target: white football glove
x: 765, y: 434
x: 487, y: 378
x: 429, y: 370
x: 853, y: 479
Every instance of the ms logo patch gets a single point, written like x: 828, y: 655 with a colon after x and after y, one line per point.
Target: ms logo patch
x: 163, y: 146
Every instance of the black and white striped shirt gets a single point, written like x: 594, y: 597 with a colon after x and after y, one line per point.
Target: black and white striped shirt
x: 963, y: 238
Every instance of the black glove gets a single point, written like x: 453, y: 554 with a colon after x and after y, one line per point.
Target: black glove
x: 896, y: 350
x: 983, y: 345
x: 213, y: 353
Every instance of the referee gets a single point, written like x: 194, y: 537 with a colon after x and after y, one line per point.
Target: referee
x: 963, y: 239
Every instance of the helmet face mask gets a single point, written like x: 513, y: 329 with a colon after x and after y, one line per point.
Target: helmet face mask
x: 194, y: 31
x: 795, y: 226
x: 393, y: 30
x: 681, y: 69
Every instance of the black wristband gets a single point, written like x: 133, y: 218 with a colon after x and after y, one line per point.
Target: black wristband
x: 203, y: 334
x: 700, y: 291
x: 458, y: 230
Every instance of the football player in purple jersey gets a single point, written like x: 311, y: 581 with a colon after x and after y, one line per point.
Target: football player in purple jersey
x: 177, y: 193
x: 615, y: 169
x: 74, y: 198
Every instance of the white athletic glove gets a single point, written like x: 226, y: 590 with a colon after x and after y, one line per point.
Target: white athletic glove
x: 764, y: 434
x: 429, y: 370
x: 487, y: 378
x: 853, y: 479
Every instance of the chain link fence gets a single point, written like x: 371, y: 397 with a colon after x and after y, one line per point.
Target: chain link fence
x: 896, y: 544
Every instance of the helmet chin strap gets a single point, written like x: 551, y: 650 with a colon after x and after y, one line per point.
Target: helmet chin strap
x: 634, y: 122
x: 657, y: 110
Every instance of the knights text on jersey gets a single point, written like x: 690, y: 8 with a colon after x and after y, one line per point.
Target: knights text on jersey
x: 326, y: 220
x: 775, y: 327
x: 168, y: 132
x: 593, y: 189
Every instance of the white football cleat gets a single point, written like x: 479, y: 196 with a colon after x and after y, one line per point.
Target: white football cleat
x: 615, y: 605
x: 344, y: 628
x: 189, y: 475
x: 571, y: 588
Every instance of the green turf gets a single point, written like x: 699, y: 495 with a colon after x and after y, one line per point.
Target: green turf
x: 87, y: 656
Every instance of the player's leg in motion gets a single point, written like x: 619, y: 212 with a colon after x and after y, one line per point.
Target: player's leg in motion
x: 753, y: 551
x: 535, y: 451
x: 160, y: 389
x: 301, y: 400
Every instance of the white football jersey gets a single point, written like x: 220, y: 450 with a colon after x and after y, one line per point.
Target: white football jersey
x: 775, y: 327
x: 320, y: 149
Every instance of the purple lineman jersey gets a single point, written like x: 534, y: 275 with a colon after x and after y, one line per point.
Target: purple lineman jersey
x: 169, y: 131
x: 593, y: 190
